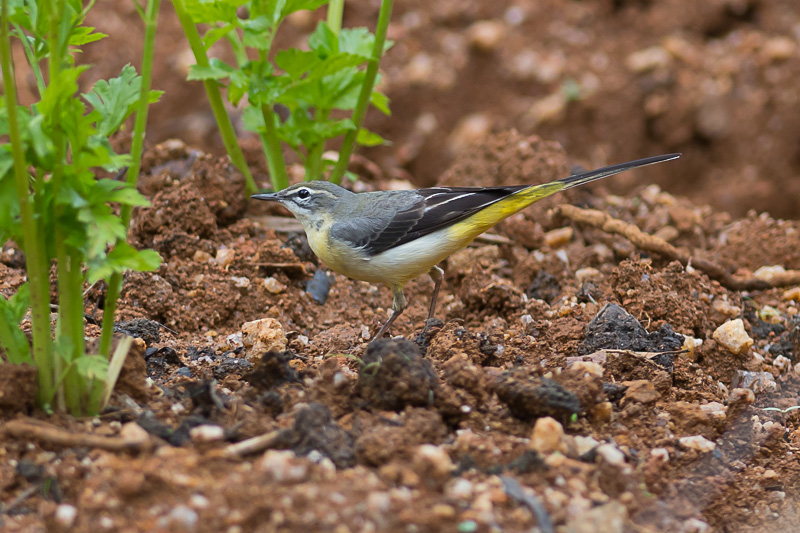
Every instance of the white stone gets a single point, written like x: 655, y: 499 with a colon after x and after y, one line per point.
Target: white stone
x: 66, y: 515
x: 611, y: 454
x: 661, y: 454
x: 273, y: 285
x: 207, y: 433
x: 284, y: 465
x: 769, y: 273
x: 133, y: 432
x: 733, y: 336
x: 697, y: 442
x: 435, y: 457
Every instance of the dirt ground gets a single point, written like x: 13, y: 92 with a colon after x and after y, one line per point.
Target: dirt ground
x: 576, y: 382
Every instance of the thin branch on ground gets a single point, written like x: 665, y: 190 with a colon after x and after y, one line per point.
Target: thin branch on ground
x: 651, y: 243
x: 46, y: 433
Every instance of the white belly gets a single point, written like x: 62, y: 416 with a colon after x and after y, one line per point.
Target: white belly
x: 398, y: 265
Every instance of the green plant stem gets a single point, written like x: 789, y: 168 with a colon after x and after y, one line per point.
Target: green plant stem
x: 314, y: 162
x: 70, y: 343
x: 29, y: 54
x: 335, y: 10
x: 137, y: 147
x: 314, y: 156
x: 36, y: 263
x: 360, y: 111
x: 272, y: 145
x: 215, y: 98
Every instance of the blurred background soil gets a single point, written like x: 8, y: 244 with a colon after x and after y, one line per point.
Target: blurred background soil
x: 611, y: 80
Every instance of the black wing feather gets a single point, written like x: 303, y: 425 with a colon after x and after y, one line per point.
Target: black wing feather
x: 437, y: 208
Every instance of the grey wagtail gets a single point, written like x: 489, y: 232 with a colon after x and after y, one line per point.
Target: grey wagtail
x: 392, y: 237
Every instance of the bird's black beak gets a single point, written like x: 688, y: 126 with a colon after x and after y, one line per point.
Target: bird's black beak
x: 269, y: 197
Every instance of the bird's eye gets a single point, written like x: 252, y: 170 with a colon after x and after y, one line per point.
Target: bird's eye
x: 303, y: 194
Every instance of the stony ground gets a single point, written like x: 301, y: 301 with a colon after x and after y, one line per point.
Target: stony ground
x: 584, y: 377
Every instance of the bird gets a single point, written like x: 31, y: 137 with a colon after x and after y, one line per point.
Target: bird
x: 392, y: 237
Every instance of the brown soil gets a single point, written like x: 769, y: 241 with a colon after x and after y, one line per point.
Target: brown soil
x: 461, y: 430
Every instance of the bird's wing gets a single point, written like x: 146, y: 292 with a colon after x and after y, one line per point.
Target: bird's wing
x: 425, y: 212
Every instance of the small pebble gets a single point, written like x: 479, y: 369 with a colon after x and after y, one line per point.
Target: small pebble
x: 460, y: 489
x: 733, y: 336
x: 240, y: 282
x: 435, y: 458
x: 608, y: 518
x: 486, y: 35
x: 695, y: 525
x: 225, y: 256
x: 741, y: 396
x: 779, y: 49
x: 792, y: 294
x: 756, y: 382
x: 770, y: 273
x: 611, y: 454
x: 697, y: 442
x: 65, y: 515
x: 715, y: 410
x: 558, y: 237
x: 661, y: 454
x: 182, y: 518
x: 133, y: 432
x: 207, y: 433
x: 284, y: 465
x: 640, y: 391
x: 690, y: 344
x: 782, y: 363
x: 648, y: 59
x: 201, y: 257
x: 261, y: 336
x: 273, y: 285
x: 547, y: 436
x: 588, y: 274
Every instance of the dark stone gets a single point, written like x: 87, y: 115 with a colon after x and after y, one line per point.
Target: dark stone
x: 394, y: 374
x: 319, y: 286
x: 545, y: 287
x: 315, y: 429
x: 272, y: 370
x: 140, y: 328
x: 613, y: 328
x: 530, y: 397
x: 232, y: 365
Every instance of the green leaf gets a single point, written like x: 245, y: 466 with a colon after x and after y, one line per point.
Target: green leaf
x: 296, y: 62
x: 115, y: 99
x: 216, y: 70
x: 369, y: 138
x: 323, y: 41
x: 83, y: 35
x: 257, y: 33
x: 12, y: 311
x: 124, y: 257
x: 380, y: 101
x: 92, y: 367
x: 213, y: 11
x: 298, y: 5
x: 357, y: 41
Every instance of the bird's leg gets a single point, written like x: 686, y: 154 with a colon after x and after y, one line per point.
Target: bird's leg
x: 436, y: 274
x: 398, y: 304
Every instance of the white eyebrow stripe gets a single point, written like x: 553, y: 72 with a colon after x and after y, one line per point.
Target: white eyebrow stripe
x: 442, y: 203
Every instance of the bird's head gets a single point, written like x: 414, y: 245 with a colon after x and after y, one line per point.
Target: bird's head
x: 311, y: 202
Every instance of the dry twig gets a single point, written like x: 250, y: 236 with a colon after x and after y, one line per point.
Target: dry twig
x: 651, y: 243
x: 41, y: 432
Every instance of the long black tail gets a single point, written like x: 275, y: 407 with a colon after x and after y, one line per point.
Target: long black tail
x: 592, y: 175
